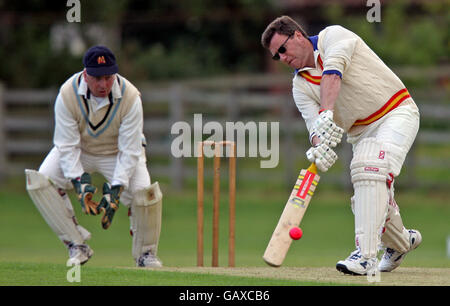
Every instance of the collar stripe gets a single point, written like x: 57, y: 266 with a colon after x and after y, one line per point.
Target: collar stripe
x: 311, y: 78
x: 319, y: 60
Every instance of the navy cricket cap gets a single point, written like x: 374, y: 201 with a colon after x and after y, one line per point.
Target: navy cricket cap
x: 99, y: 60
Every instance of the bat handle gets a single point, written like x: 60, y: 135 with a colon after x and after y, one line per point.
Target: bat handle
x: 312, y: 168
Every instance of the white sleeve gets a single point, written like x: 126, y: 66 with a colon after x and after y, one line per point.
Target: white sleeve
x: 308, y: 108
x: 338, y: 45
x: 129, y: 144
x: 67, y: 140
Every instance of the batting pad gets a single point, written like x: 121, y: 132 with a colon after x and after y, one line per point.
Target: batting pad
x: 369, y: 170
x: 145, y: 219
x: 396, y: 236
x: 53, y: 208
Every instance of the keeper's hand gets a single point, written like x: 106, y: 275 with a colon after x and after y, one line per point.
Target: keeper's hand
x: 326, y: 129
x: 323, y: 156
x: 109, y: 203
x: 85, y: 191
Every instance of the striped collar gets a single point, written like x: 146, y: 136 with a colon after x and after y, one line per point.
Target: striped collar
x: 313, y: 40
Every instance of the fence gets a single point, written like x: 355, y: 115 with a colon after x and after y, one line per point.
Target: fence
x: 27, y: 124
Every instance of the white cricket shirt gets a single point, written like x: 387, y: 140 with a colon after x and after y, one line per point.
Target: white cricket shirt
x: 67, y: 137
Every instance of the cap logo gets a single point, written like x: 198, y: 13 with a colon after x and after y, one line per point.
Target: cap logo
x: 101, y: 60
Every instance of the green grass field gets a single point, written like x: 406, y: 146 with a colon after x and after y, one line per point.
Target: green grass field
x: 30, y: 254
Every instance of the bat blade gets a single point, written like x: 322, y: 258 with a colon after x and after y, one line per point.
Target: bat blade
x: 292, y: 216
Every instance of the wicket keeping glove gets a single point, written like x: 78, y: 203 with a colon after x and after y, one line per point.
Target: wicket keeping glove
x: 109, y: 203
x: 323, y: 156
x: 85, y: 191
x: 326, y: 129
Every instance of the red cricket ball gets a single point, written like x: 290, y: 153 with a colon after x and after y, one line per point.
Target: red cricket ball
x: 296, y: 233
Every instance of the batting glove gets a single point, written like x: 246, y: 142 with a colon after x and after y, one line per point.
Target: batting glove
x: 109, y: 203
x: 85, y: 191
x: 323, y: 156
x: 326, y: 129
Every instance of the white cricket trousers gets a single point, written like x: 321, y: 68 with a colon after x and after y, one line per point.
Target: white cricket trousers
x: 104, y: 165
x: 398, y: 129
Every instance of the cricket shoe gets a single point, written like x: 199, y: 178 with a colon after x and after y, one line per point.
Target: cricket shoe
x: 356, y: 264
x: 391, y: 258
x: 79, y: 253
x: 148, y: 260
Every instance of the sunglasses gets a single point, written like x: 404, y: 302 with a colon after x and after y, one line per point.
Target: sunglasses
x: 281, y: 50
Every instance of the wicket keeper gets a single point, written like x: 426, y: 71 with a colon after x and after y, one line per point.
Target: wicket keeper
x: 341, y: 86
x: 98, y: 128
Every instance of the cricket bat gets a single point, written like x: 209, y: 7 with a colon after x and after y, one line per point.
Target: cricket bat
x: 292, y: 216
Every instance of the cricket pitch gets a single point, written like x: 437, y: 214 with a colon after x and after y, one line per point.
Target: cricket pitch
x: 408, y: 276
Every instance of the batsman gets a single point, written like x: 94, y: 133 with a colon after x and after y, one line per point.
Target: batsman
x: 98, y: 128
x: 341, y: 86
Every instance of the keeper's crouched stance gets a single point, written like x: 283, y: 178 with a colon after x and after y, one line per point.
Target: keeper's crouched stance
x: 98, y: 129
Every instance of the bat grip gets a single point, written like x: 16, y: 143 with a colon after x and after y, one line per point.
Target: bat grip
x: 312, y: 168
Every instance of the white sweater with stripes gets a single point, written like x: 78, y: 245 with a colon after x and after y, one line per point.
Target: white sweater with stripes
x: 369, y: 89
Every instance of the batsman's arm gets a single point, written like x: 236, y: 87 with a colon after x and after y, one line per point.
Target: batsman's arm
x: 330, y: 85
